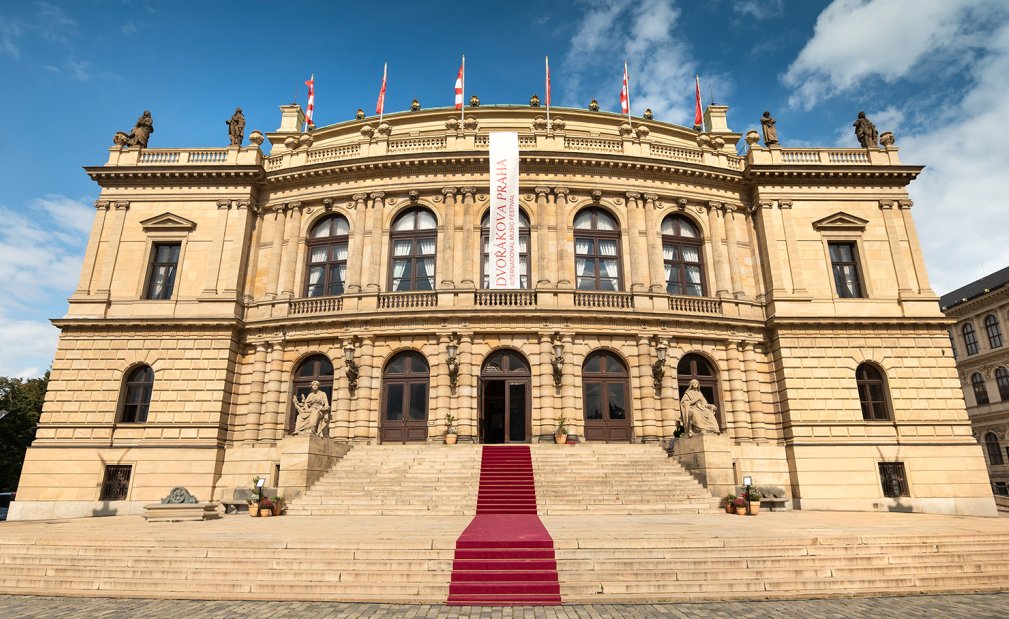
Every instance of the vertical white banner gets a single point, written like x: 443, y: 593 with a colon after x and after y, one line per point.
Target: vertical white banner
x: 505, y: 271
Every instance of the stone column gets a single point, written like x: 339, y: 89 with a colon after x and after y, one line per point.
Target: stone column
x: 542, y: 238
x: 466, y: 391
x: 565, y: 262
x: 917, y: 259
x: 731, y: 223
x: 216, y: 251
x: 448, y: 248
x: 638, y: 252
x: 341, y: 426
x: 648, y: 430
x: 358, y: 247
x: 896, y: 249
x: 111, y: 254
x: 441, y: 392
x: 293, y: 253
x: 254, y: 414
x: 543, y: 409
x: 669, y: 405
x: 653, y: 244
x: 736, y: 396
x: 721, y: 266
x: 758, y: 409
x: 766, y: 215
x: 274, y: 421
x: 276, y: 249
x: 568, y: 397
x: 236, y: 261
x: 373, y: 266
x: 792, y: 254
x: 470, y: 261
x: 366, y: 399
x: 84, y: 287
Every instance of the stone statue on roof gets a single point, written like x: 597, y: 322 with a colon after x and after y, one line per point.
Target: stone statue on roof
x: 770, y: 133
x: 141, y: 131
x: 236, y: 127
x: 866, y: 132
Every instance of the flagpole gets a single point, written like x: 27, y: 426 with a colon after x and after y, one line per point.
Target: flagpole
x: 548, y: 89
x: 628, y: 93
x: 385, y: 73
x: 305, y: 123
x: 462, y: 109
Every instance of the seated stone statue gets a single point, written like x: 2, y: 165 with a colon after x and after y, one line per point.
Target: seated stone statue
x: 697, y: 415
x: 313, y: 412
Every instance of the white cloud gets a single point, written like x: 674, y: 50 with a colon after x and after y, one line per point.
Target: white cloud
x: 647, y: 35
x: 856, y: 40
x: 26, y: 347
x: 758, y: 9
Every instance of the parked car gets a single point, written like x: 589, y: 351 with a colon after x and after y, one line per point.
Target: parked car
x: 5, y: 503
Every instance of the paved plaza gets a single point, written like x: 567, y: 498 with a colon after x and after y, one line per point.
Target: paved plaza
x: 969, y: 606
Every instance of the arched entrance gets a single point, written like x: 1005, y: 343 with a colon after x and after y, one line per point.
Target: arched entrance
x: 604, y: 384
x: 695, y: 367
x: 505, y: 398
x: 313, y: 368
x: 405, y: 386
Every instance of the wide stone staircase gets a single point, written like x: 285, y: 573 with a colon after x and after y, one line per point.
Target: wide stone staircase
x: 615, y: 479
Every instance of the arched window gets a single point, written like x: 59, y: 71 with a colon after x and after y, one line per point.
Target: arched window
x: 605, y: 401
x: 696, y: 367
x: 314, y: 368
x: 681, y: 255
x: 327, y: 257
x: 414, y: 237
x: 980, y: 390
x: 969, y: 338
x: 523, y: 250
x: 994, y: 450
x: 994, y: 332
x: 1002, y: 380
x: 597, y: 250
x: 137, y: 394
x: 405, y: 383
x: 872, y: 393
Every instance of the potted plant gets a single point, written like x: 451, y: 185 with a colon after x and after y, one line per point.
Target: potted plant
x: 278, y: 505
x: 451, y: 434
x: 729, y: 506
x: 265, y: 507
x: 753, y: 496
x: 253, y: 503
x: 740, y: 505
x: 561, y: 434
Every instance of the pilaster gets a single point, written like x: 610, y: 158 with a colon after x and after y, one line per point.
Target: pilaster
x: 358, y: 246
x: 446, y: 252
x: 653, y: 243
x: 565, y: 263
x: 542, y: 237
x: 376, y: 222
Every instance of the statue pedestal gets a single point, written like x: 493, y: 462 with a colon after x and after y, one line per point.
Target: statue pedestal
x: 708, y: 457
x: 304, y: 459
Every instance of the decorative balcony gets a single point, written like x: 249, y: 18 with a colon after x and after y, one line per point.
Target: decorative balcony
x: 695, y: 305
x: 407, y: 300
x: 319, y: 305
x: 610, y: 300
x: 504, y: 298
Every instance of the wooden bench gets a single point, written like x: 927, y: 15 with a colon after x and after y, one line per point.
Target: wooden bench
x: 240, y: 500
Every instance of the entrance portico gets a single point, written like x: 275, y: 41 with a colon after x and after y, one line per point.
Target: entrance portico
x: 505, y: 398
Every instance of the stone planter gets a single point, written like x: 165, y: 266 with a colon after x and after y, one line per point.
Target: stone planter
x: 560, y: 439
x: 754, y: 507
x: 451, y: 439
x: 254, y: 509
x: 265, y: 513
x: 277, y: 509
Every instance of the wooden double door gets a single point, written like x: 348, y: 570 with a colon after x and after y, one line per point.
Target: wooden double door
x: 505, y: 399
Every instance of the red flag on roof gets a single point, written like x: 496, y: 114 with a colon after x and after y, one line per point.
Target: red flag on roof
x: 698, y: 117
x: 458, y: 85
x: 310, y: 112
x: 625, y: 96
x: 380, y: 106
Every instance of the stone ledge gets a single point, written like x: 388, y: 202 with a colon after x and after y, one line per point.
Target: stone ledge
x: 180, y: 512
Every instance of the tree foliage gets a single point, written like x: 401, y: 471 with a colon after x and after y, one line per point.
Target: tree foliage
x: 22, y: 399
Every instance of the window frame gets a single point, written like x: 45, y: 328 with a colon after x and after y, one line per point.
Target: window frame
x: 993, y: 330
x: 865, y: 400
x: 886, y: 471
x: 105, y: 490
x: 856, y: 263
x: 993, y: 449
x: 970, y: 341
x: 125, y: 390
x: 524, y: 233
x: 152, y: 264
x: 330, y: 242
x: 596, y: 236
x: 979, y: 388
x: 1002, y: 382
x: 680, y: 265
x: 414, y: 236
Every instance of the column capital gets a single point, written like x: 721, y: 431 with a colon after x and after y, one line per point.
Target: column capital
x: 449, y: 191
x: 122, y: 205
x: 906, y: 204
x: 650, y: 197
x: 541, y: 192
x: 224, y: 204
x: 295, y: 205
x: 766, y: 204
x: 633, y: 195
x: 377, y: 195
x: 784, y: 204
x: 102, y: 205
x: 359, y: 197
x: 468, y: 191
x: 886, y: 204
x: 561, y: 191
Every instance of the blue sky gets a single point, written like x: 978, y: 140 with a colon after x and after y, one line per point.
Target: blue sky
x: 936, y: 72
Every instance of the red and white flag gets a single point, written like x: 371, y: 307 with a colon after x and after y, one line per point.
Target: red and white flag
x: 458, y: 85
x: 310, y: 112
x: 548, y: 83
x: 698, y: 117
x: 380, y: 106
x: 625, y: 96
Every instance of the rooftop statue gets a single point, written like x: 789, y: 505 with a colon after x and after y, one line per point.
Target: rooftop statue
x: 141, y: 131
x: 770, y: 133
x: 236, y: 127
x: 866, y: 132
x: 313, y: 412
x: 698, y: 417
x: 415, y: 106
x: 359, y: 115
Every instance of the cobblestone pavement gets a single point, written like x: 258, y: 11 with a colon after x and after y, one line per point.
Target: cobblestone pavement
x: 965, y: 606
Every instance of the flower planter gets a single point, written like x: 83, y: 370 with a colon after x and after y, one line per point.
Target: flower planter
x: 276, y: 510
x: 451, y: 439
x: 560, y: 439
x: 754, y: 507
x: 729, y: 509
x: 265, y: 513
x: 254, y: 510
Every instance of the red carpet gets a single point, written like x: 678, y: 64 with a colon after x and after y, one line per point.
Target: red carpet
x: 505, y: 557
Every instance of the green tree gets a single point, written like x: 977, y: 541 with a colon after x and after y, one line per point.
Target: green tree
x: 22, y: 399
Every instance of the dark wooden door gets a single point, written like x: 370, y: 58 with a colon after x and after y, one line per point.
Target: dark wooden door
x: 405, y: 392
x: 605, y: 399
x: 505, y: 398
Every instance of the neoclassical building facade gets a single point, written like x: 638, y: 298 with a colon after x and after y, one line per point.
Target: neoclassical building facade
x: 219, y: 283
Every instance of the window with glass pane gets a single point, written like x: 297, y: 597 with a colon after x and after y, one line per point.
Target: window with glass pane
x: 994, y: 451
x: 1002, y: 380
x: 523, y: 250
x: 872, y: 393
x: 969, y: 339
x: 413, y: 251
x: 980, y: 389
x: 681, y: 257
x: 843, y: 261
x: 597, y: 251
x: 137, y: 396
x: 164, y: 264
x: 326, y: 271
x: 994, y: 332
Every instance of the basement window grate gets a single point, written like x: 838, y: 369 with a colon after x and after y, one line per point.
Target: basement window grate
x: 894, y: 479
x: 116, y: 484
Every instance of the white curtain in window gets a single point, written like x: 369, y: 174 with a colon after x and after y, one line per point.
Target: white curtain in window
x: 341, y: 251
x: 159, y: 276
x: 425, y: 220
x: 694, y: 275
x: 425, y: 246
x: 850, y: 283
x: 669, y: 252
x: 605, y: 222
x: 315, y: 276
x: 399, y: 268
x: 523, y: 244
x: 669, y: 271
x: 609, y: 268
x: 341, y: 227
x: 426, y: 267
x: 402, y: 248
x: 583, y: 246
x: 690, y: 254
x: 319, y: 254
x: 607, y: 248
x: 583, y: 267
x: 342, y: 272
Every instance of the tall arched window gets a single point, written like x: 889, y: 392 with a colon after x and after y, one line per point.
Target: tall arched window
x: 405, y: 384
x: 597, y: 250
x: 605, y: 401
x: 314, y: 368
x: 969, y: 338
x: 994, y: 332
x: 681, y: 255
x: 980, y: 390
x: 414, y: 238
x: 872, y: 393
x: 523, y: 250
x: 1002, y: 380
x: 994, y: 450
x: 696, y: 367
x: 326, y: 271
x: 137, y: 394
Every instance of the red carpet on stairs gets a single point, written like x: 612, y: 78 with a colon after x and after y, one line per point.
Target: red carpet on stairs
x: 505, y: 557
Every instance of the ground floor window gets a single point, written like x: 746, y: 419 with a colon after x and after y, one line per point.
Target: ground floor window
x: 116, y: 484
x: 894, y: 479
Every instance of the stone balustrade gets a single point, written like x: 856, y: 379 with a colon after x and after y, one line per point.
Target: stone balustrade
x: 249, y: 155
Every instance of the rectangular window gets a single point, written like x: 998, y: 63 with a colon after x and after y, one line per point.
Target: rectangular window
x: 844, y: 263
x: 116, y: 484
x: 894, y: 479
x: 164, y: 264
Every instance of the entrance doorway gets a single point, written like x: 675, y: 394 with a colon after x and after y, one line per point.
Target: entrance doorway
x: 505, y: 398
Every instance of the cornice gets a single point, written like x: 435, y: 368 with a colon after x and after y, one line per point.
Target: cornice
x: 795, y: 174
x: 185, y: 176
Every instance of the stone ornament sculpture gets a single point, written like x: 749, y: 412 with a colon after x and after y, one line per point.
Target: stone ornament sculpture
x: 534, y: 101
x: 770, y: 133
x: 313, y: 412
x: 866, y: 132
x: 178, y: 496
x: 696, y: 414
x: 236, y: 127
x: 140, y: 134
x: 593, y: 106
x: 474, y: 101
x: 415, y: 106
x: 359, y: 115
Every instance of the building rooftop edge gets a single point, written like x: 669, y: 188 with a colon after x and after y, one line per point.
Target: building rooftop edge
x: 977, y: 288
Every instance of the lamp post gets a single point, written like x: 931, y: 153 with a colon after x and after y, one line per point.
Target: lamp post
x: 747, y: 482
x: 659, y: 367
x: 453, y: 360
x: 353, y: 369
